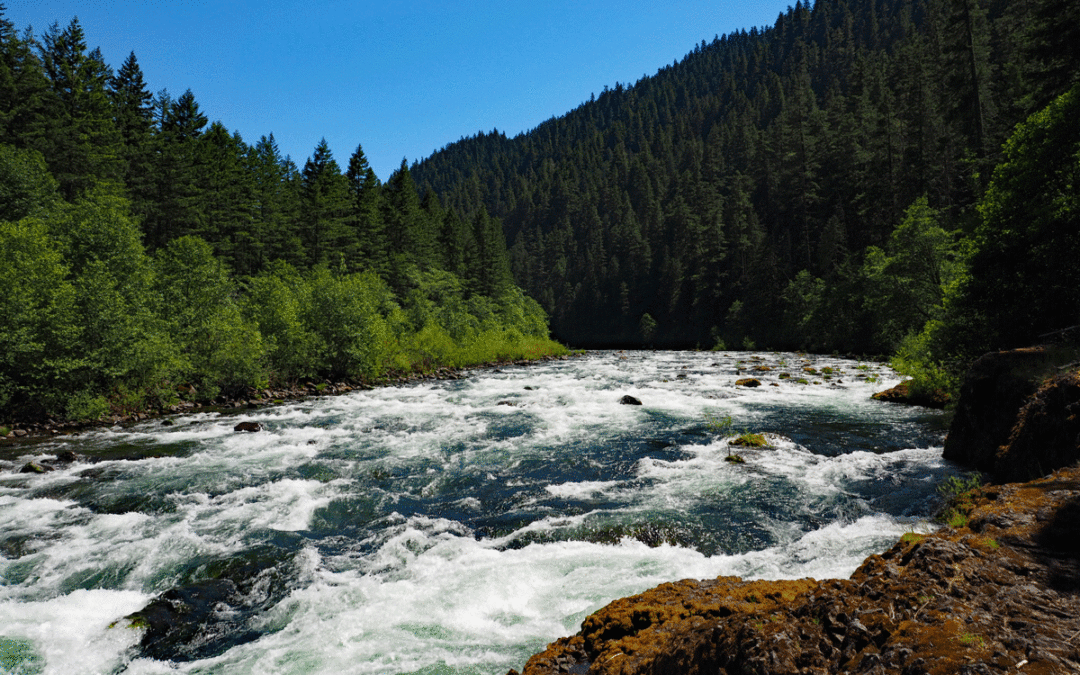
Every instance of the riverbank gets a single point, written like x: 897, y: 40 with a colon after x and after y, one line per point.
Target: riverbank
x: 257, y: 398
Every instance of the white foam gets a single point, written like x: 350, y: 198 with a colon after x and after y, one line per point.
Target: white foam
x: 71, y: 633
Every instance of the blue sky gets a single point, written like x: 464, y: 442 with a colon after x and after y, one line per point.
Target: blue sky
x: 402, y: 79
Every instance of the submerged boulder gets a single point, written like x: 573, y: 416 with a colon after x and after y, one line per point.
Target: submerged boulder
x: 629, y: 400
x: 248, y: 427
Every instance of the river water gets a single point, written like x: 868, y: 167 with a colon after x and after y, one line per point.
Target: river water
x: 448, y: 527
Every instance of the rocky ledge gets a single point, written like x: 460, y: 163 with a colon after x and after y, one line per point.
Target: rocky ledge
x: 1000, y: 593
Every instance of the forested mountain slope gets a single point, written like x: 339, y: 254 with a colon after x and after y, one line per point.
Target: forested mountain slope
x: 734, y: 194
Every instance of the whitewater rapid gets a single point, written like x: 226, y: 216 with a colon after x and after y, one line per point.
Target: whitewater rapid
x: 452, y: 526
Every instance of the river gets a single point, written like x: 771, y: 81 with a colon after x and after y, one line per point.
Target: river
x: 448, y: 526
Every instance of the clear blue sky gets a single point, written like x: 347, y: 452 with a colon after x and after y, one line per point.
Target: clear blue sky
x: 402, y: 79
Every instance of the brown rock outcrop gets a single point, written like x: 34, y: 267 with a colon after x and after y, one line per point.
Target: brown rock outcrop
x: 1017, y: 417
x: 994, y: 389
x: 999, y: 595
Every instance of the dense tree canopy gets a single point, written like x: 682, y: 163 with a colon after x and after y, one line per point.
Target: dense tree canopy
x: 756, y: 181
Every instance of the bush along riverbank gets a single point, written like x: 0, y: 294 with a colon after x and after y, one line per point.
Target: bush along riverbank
x: 995, y: 591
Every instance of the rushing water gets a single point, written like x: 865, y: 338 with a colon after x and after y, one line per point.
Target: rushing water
x: 448, y: 527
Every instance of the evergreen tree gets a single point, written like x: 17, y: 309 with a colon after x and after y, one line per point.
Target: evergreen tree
x: 177, y: 207
x: 365, y: 215
x: 84, y: 148
x: 324, y: 196
x: 276, y: 203
x: 24, y: 90
x: 133, y: 115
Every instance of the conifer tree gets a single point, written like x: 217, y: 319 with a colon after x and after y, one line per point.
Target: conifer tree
x: 324, y: 193
x: 24, y: 90
x: 365, y: 216
x: 84, y: 148
x: 177, y: 209
x: 133, y: 115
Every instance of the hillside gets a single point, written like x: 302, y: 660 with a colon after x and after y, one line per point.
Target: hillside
x: 729, y: 195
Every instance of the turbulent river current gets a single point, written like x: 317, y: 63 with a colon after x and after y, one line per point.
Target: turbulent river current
x: 447, y: 526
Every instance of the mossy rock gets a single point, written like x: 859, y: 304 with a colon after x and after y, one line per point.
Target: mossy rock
x: 748, y: 382
x: 735, y: 459
x: 902, y: 393
x: 749, y: 440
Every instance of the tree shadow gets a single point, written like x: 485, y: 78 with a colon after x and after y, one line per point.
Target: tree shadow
x: 1059, y: 545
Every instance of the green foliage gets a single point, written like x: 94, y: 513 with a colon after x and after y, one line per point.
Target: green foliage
x: 276, y: 301
x: 907, y: 282
x: 648, y: 326
x: 219, y: 349
x: 26, y: 186
x: 720, y: 425
x: 750, y: 440
x: 956, y: 491
x: 914, y: 358
x: 260, y: 272
x: 1025, y: 273
x: 40, y: 333
x: 354, y: 339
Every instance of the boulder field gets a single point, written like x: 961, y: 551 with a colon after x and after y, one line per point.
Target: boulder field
x: 998, y: 592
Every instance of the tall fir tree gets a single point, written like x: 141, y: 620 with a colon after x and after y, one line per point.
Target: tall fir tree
x: 324, y: 196
x: 84, y: 148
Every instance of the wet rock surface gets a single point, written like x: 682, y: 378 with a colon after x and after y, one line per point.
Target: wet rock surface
x: 1001, y: 595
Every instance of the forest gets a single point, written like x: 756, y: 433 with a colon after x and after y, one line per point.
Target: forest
x: 894, y: 177
x: 149, y: 256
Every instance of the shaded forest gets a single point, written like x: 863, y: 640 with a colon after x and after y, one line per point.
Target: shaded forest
x: 148, y: 255
x: 819, y: 184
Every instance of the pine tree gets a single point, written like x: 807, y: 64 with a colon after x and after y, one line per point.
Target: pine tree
x: 133, y: 115
x: 177, y: 208
x: 85, y: 147
x: 410, y: 236
x: 324, y: 194
x: 276, y: 202
x: 365, y: 217
x: 24, y: 90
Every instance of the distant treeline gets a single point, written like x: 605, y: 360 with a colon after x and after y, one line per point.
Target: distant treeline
x: 144, y: 253
x: 825, y: 183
